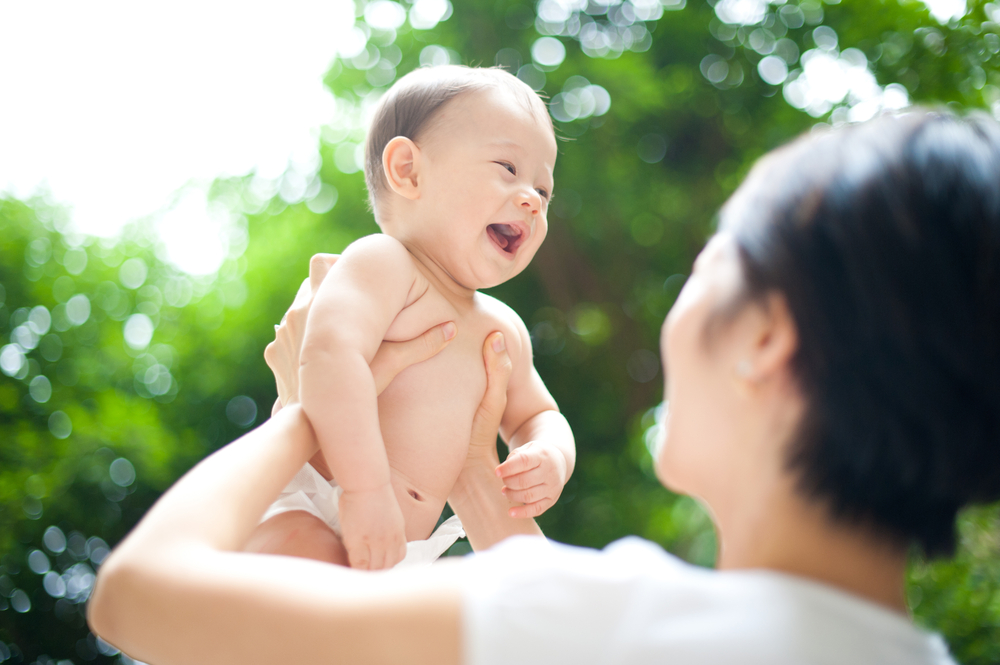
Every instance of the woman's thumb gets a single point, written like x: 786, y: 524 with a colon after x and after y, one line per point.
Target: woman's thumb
x: 498, y: 368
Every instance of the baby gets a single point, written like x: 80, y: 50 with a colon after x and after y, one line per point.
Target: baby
x: 459, y: 171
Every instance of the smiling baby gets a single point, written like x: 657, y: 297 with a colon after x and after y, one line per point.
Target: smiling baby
x: 459, y: 168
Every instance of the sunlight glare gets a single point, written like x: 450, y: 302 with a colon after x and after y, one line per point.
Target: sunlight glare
x: 121, y: 104
x: 946, y: 10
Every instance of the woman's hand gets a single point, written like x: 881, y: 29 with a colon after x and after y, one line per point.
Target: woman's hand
x: 476, y: 497
x: 282, y: 355
x: 486, y: 423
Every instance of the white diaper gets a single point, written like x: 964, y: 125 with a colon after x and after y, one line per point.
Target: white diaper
x: 311, y: 492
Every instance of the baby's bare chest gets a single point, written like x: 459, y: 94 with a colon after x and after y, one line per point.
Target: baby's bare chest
x: 426, y: 412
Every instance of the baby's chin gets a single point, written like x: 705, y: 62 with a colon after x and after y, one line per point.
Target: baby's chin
x: 490, y: 273
x: 484, y: 281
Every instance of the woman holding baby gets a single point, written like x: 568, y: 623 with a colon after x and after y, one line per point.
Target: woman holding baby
x: 834, y: 394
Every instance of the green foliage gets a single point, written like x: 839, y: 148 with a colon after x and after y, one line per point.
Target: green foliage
x: 636, y: 192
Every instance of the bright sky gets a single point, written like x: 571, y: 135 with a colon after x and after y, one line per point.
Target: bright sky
x: 115, y: 106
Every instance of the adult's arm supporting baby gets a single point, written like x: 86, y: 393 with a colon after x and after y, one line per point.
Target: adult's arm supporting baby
x: 177, y: 591
x: 476, y: 497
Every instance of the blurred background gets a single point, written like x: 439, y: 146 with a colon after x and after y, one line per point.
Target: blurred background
x: 169, y: 169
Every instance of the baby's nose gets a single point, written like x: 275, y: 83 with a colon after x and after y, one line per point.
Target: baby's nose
x: 531, y: 202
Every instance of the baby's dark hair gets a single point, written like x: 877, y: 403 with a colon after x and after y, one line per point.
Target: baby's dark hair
x: 412, y: 104
x: 885, y: 240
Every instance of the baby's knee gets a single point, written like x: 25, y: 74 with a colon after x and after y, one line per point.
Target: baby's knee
x: 298, y: 533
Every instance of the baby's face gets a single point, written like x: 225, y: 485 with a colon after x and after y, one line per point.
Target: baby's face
x: 485, y: 184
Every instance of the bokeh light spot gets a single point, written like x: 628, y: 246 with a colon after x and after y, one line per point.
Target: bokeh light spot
x: 652, y: 148
x: 38, y: 562
x: 433, y: 56
x: 385, y: 15
x: 242, y: 411
x: 425, y: 14
x: 60, y: 425
x: 532, y: 76
x: 122, y: 472
x: 78, y: 309
x: 772, y: 70
x: 20, y: 602
x: 643, y: 366
x: 324, y: 200
x: 133, y: 273
x: 11, y: 359
x: 548, y: 52
x: 947, y: 10
x: 54, y: 585
x: 54, y: 540
x: 40, y: 389
x: 40, y: 320
x: 138, y: 331
x: 75, y: 260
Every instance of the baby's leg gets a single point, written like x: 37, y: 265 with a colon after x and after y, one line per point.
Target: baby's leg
x: 297, y: 533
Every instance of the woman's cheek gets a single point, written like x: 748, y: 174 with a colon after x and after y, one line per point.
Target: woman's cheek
x: 662, y: 442
x: 684, y: 392
x: 670, y: 455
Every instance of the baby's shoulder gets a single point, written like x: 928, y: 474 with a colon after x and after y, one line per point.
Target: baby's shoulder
x: 383, y: 264
x: 378, y: 248
x: 490, y: 307
x: 504, y: 319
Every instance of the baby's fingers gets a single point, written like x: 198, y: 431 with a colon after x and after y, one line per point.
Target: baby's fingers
x: 522, y: 481
x: 529, y: 495
x: 532, y: 509
x: 516, y: 463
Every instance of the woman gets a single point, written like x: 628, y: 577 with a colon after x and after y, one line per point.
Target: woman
x: 834, y: 397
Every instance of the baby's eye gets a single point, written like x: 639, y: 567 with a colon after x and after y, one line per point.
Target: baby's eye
x: 508, y: 166
x: 543, y: 193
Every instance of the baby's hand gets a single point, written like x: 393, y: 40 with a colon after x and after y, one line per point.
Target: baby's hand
x: 533, y: 474
x: 373, y: 528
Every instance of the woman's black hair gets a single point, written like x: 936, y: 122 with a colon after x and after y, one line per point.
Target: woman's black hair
x: 885, y: 240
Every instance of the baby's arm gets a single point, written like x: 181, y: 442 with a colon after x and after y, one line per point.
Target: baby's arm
x: 543, y: 452
x: 352, y: 310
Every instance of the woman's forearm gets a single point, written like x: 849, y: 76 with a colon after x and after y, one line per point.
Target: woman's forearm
x: 213, y: 508
x: 175, y: 592
x: 220, y: 501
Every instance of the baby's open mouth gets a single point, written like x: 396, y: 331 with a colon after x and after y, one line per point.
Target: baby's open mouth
x: 507, y: 237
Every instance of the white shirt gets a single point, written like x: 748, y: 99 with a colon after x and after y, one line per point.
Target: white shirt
x: 526, y: 601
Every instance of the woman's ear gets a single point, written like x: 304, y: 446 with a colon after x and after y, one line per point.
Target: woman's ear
x: 401, y: 164
x: 774, y: 341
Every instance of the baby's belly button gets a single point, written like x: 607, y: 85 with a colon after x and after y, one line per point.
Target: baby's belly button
x: 420, y: 517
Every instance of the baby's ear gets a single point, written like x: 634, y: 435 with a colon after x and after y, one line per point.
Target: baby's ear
x: 401, y: 164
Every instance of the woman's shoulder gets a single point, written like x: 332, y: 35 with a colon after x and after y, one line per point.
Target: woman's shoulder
x: 634, y: 602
